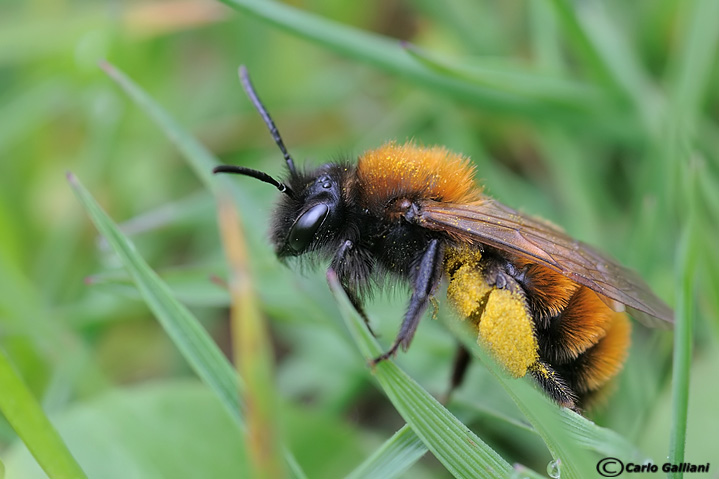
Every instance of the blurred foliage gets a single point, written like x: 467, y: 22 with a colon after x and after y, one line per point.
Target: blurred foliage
x: 602, y: 117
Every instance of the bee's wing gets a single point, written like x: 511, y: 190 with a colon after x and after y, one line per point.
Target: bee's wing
x: 494, y: 224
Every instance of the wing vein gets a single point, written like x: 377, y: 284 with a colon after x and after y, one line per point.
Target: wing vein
x: 494, y: 224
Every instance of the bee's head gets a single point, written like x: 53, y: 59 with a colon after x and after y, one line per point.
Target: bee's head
x: 311, y: 208
x: 309, y: 218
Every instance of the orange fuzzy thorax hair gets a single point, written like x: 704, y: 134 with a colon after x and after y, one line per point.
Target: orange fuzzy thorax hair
x: 415, y: 172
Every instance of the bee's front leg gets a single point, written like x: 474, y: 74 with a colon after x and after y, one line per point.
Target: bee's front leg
x: 353, y: 267
x: 426, y: 278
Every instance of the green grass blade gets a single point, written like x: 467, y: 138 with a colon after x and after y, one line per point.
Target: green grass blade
x: 691, y: 71
x: 575, y: 461
x: 202, y: 162
x: 521, y: 472
x: 685, y: 310
x: 606, y: 442
x: 199, y: 159
x: 580, y: 429
x: 517, y: 81
x: 394, y: 457
x: 544, y: 415
x: 189, y: 336
x: 581, y: 42
x: 692, y: 63
x: 27, y: 418
x: 610, y: 57
x: 388, y: 55
x: 456, y: 447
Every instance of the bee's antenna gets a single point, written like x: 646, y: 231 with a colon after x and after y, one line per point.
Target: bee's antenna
x: 264, y: 177
x: 250, y: 90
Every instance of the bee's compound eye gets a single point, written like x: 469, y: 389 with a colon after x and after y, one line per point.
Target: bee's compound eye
x: 306, y: 226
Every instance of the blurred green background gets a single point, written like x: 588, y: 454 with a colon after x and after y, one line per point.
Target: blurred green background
x: 602, y: 117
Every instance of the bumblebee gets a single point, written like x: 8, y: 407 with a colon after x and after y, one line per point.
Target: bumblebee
x: 543, y: 303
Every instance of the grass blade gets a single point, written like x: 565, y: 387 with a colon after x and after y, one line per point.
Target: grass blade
x: 606, y: 442
x: 27, y: 418
x: 189, y: 336
x: 544, y: 415
x: 199, y: 159
x: 692, y: 63
x: 202, y: 162
x: 456, y: 447
x: 610, y: 57
x: 388, y: 55
x: 393, y: 458
x: 582, y: 43
x: 252, y: 352
x: 681, y: 363
x: 691, y: 70
x: 514, y: 80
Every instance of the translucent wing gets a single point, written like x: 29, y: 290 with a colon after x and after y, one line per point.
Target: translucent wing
x: 492, y: 223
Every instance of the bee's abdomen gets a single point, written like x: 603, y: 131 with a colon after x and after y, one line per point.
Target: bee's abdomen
x: 560, y: 331
x: 576, y: 328
x: 581, y: 339
x: 586, y: 344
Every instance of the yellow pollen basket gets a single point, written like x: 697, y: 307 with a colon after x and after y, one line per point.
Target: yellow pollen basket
x: 468, y: 292
x: 500, y: 316
x: 505, y: 328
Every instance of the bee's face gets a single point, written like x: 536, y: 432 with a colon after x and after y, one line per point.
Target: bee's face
x: 311, y: 217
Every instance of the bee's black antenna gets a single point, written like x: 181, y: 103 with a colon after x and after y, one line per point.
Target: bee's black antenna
x: 250, y: 90
x: 262, y: 176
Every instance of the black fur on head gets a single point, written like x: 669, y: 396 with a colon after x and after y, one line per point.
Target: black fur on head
x: 313, y: 217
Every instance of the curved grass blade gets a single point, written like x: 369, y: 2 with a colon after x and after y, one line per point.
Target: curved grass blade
x: 463, y: 453
x: 604, y: 441
x: 545, y: 416
x: 580, y: 429
x: 199, y: 159
x: 503, y: 77
x: 27, y: 418
x: 388, y: 55
x: 610, y: 57
x: 393, y: 458
x: 189, y: 336
x: 404, y: 448
x: 196, y: 155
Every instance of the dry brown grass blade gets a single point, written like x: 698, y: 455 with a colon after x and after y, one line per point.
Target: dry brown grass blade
x: 251, y: 351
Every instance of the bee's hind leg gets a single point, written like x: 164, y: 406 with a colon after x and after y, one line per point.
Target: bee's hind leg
x: 460, y: 367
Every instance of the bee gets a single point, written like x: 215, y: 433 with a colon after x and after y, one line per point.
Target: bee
x: 543, y: 303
